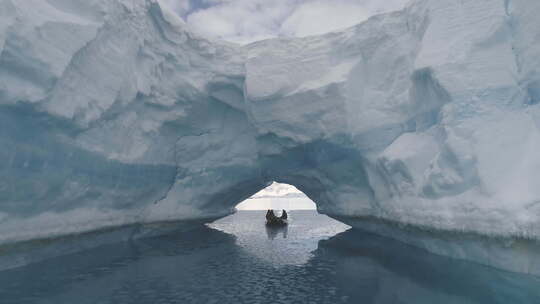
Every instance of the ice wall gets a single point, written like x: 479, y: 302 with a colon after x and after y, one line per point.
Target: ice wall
x: 426, y: 116
x: 115, y: 113
x: 108, y: 108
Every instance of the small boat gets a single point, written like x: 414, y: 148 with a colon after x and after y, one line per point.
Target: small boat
x: 277, y: 222
x: 274, y: 221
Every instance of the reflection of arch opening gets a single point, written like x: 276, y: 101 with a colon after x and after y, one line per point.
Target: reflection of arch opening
x: 278, y: 196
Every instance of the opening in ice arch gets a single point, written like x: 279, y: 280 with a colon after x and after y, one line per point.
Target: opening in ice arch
x: 278, y: 196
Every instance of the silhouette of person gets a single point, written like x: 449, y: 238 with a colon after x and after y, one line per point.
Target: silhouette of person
x: 270, y: 216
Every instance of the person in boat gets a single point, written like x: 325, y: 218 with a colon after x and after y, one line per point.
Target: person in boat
x: 270, y: 216
x: 272, y: 219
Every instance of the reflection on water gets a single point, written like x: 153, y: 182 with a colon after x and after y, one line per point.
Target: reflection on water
x: 272, y: 232
x: 236, y: 260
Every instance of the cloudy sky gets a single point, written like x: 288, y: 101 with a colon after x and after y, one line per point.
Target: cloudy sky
x: 245, y: 21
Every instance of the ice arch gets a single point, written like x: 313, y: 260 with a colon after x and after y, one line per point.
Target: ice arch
x: 114, y: 113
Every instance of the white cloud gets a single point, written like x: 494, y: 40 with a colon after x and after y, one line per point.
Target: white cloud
x: 241, y: 20
x: 179, y: 6
x: 211, y: 22
x: 318, y: 17
x: 245, y: 21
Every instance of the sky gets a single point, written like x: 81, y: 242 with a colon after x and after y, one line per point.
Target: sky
x: 278, y: 196
x: 278, y: 190
x: 245, y: 21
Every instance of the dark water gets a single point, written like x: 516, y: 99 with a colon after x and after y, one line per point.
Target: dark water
x: 237, y: 260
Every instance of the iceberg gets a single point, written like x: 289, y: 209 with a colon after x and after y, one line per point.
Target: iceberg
x: 415, y: 124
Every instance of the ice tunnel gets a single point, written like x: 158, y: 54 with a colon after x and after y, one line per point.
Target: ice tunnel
x: 114, y: 113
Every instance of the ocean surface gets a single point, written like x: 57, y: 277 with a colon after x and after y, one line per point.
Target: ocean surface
x: 239, y: 260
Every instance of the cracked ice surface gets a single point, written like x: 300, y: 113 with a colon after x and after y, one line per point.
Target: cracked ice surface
x: 115, y: 113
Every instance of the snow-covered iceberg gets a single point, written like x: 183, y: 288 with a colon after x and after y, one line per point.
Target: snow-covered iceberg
x: 115, y: 113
